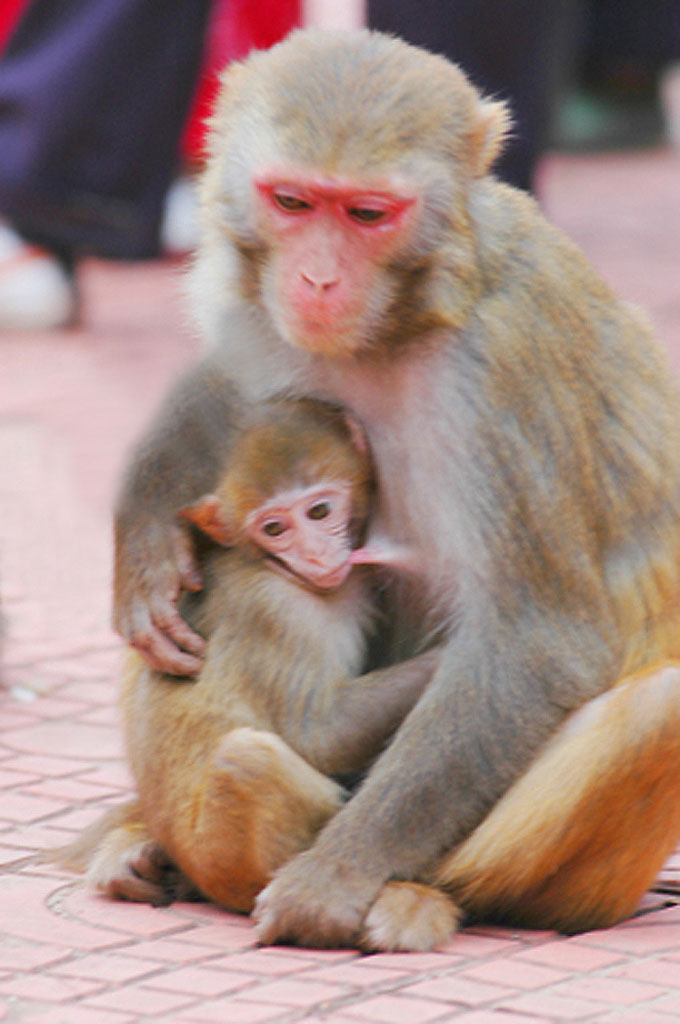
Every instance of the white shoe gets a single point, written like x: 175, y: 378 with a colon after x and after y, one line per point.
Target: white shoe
x: 179, y: 227
x: 36, y: 292
x: 669, y: 87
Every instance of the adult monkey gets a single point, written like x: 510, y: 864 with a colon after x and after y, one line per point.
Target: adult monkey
x: 525, y: 432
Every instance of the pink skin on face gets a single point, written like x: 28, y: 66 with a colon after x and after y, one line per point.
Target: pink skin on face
x: 307, y: 529
x: 328, y: 239
x: 307, y: 532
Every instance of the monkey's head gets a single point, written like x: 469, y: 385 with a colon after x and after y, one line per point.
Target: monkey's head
x: 297, y: 487
x: 336, y: 191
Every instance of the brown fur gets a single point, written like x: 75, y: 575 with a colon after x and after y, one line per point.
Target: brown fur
x: 525, y: 430
x: 222, y: 800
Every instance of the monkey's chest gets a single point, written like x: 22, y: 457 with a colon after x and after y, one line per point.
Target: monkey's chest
x: 416, y: 441
x: 416, y: 437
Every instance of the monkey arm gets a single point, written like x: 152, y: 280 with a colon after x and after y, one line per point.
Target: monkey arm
x: 486, y: 713
x: 174, y: 463
x: 345, y: 726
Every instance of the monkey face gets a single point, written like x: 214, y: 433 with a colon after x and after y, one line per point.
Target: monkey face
x: 326, y: 285
x: 307, y: 530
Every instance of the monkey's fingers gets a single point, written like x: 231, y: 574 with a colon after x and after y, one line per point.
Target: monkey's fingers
x: 151, y: 569
x: 166, y: 618
x: 163, y: 638
x: 189, y: 576
x: 310, y: 903
x: 162, y: 655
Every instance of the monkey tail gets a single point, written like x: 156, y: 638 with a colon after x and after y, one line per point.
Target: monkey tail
x: 78, y: 854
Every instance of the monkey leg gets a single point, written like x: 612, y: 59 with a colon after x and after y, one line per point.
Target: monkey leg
x: 262, y: 804
x: 577, y: 841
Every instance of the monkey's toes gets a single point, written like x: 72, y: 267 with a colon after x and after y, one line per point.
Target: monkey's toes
x: 408, y: 916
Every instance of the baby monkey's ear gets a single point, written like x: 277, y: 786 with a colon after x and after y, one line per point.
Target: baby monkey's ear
x: 208, y: 515
x: 356, y: 431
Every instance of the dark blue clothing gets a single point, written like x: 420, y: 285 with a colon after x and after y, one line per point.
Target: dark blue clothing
x: 93, y: 98
x: 517, y: 50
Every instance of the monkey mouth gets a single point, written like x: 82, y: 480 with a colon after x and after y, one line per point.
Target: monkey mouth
x: 332, y: 337
x: 329, y: 581
x: 335, y: 578
x: 332, y: 344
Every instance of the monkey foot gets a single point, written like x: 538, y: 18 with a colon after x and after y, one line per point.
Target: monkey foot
x: 141, y: 873
x: 409, y: 916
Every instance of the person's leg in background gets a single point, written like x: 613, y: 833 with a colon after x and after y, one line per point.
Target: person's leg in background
x: 93, y: 97
x: 515, y: 50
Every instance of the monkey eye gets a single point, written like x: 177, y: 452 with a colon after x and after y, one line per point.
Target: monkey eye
x: 319, y: 511
x: 274, y: 528
x: 289, y: 203
x: 366, y: 214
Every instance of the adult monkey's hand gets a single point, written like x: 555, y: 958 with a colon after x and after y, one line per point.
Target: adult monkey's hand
x: 154, y: 562
x: 175, y: 463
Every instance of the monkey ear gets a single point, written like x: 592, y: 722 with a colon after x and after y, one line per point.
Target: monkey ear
x: 208, y: 515
x: 494, y: 122
x: 356, y: 431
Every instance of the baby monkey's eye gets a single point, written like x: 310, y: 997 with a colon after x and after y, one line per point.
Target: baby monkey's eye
x: 274, y: 528
x: 319, y: 511
x: 290, y: 203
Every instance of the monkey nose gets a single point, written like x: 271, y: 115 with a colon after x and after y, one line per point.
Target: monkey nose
x: 314, y: 556
x: 319, y: 282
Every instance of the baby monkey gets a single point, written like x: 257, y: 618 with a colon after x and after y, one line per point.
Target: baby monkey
x: 234, y: 770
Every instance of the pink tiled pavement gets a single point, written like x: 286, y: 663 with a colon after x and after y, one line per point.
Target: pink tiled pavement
x: 70, y: 405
